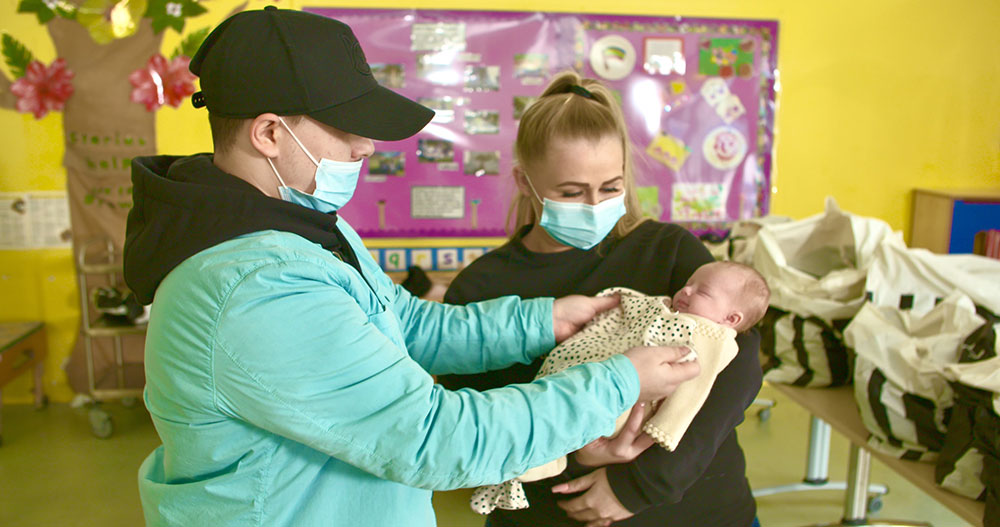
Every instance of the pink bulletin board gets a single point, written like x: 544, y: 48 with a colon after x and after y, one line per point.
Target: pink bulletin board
x: 698, y: 95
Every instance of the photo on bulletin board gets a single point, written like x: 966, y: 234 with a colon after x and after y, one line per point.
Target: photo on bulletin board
x: 698, y: 96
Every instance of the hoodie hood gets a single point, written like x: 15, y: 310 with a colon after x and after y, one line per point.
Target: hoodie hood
x: 184, y: 205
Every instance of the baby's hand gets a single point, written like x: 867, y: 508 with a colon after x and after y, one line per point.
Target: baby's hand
x: 626, y: 446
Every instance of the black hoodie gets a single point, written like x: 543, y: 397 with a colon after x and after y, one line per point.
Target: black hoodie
x: 184, y: 205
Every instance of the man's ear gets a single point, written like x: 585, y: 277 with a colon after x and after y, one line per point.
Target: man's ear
x: 264, y: 131
x: 734, y: 319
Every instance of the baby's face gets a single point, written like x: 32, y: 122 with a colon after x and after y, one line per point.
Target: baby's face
x: 710, y: 293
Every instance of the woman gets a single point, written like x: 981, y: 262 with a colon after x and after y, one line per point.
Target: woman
x: 578, y: 229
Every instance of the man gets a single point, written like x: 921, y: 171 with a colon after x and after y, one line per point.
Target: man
x: 287, y: 376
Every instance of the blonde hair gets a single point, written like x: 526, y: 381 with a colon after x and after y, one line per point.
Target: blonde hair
x: 755, y: 295
x: 564, y: 111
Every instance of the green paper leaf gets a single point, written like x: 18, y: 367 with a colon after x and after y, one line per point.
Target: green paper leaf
x: 190, y: 44
x: 193, y: 9
x: 39, y: 8
x: 66, y: 10
x: 164, y: 21
x: 171, y: 13
x: 16, y: 56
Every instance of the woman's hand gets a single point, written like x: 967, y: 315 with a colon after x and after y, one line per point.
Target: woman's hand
x: 626, y: 446
x: 570, y: 313
x: 598, y: 506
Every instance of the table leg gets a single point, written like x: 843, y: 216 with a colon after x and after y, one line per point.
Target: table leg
x: 817, y: 466
x: 40, y: 399
x: 856, y: 495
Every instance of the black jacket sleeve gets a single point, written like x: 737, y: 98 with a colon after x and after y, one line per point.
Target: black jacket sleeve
x: 658, y: 476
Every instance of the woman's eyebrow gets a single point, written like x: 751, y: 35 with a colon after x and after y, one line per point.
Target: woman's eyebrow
x: 613, y: 180
x: 585, y: 185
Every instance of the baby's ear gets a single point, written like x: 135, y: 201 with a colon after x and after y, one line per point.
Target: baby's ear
x: 734, y: 319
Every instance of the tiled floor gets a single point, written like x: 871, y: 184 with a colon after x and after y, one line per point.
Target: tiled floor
x: 54, y: 473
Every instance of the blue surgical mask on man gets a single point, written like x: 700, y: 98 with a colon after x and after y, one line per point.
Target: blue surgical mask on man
x: 579, y: 225
x: 335, y: 182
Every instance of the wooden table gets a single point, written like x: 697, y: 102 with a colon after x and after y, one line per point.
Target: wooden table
x: 838, y: 407
x: 22, y: 346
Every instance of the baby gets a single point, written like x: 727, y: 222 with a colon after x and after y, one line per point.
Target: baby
x: 720, y: 300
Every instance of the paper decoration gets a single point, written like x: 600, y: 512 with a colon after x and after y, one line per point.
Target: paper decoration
x: 664, y: 56
x: 664, y: 112
x: 108, y: 20
x: 714, y: 91
x: 730, y: 108
x: 482, y: 78
x: 668, y: 150
x: 612, y: 57
x: 34, y: 220
x: 171, y: 13
x: 43, y: 89
x: 649, y: 201
x: 725, y: 57
x: 531, y: 68
x: 387, y: 164
x: 16, y: 55
x: 481, y: 163
x: 482, y: 122
x: 189, y: 45
x: 437, y: 37
x: 162, y: 82
x: 437, y: 202
x: 435, y: 151
x: 391, y: 76
x: 724, y: 147
x: 46, y: 10
x: 444, y: 108
x: 698, y: 202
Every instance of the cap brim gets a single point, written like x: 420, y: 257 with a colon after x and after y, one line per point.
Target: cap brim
x: 380, y: 114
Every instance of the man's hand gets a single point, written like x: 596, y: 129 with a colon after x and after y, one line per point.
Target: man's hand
x: 570, y: 313
x: 659, y: 370
x: 626, y: 446
x: 598, y: 506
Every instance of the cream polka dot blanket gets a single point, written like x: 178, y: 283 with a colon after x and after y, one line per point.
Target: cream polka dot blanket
x: 639, y: 320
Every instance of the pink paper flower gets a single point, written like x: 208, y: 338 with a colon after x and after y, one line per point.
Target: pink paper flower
x: 43, y: 89
x: 162, y: 82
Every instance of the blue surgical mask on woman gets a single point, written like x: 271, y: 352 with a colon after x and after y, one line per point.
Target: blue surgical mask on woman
x: 335, y: 182
x: 579, y: 225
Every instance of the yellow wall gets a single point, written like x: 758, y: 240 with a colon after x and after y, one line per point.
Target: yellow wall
x: 876, y: 98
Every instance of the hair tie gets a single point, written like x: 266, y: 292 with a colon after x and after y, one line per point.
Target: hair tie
x: 581, y: 91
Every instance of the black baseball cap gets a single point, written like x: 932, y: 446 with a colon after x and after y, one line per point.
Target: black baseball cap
x: 291, y: 62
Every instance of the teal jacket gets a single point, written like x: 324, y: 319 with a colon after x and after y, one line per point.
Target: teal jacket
x: 290, y: 389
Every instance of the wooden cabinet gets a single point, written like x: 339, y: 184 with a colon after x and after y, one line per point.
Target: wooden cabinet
x: 947, y: 220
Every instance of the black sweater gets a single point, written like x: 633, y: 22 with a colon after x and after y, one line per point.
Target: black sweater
x: 703, y: 482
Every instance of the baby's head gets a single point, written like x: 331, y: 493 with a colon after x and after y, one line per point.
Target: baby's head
x: 729, y: 293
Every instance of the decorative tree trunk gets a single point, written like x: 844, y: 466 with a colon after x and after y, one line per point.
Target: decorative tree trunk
x: 103, y: 130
